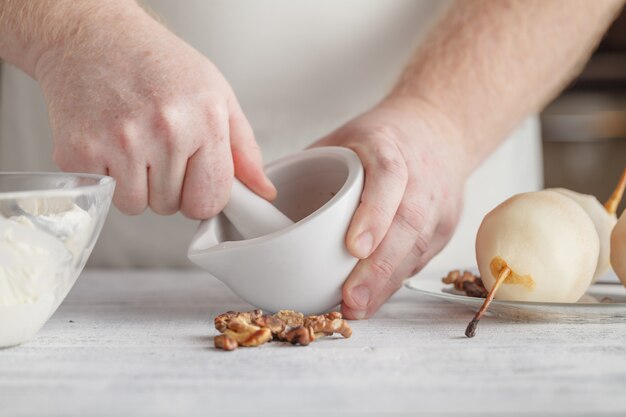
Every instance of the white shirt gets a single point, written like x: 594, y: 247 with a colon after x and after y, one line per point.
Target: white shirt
x: 300, y: 69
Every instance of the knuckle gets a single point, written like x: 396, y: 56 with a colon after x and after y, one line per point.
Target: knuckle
x: 382, y: 267
x: 166, y: 124
x: 216, y: 121
x: 172, y: 144
x: 411, y: 217
x: 126, y: 140
x: 380, y: 211
x: 164, y: 209
x: 216, y: 111
x: 131, y: 204
x: 204, y: 205
x: 389, y: 160
x: 384, y: 132
x: 421, y: 245
x: 446, y: 227
x: 89, y: 154
x: 134, y: 211
x: 178, y: 130
x: 201, y: 211
x: 393, y: 285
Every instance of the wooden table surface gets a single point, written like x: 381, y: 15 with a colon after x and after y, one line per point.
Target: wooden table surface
x: 140, y: 343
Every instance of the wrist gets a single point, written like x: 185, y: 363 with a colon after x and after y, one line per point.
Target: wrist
x: 78, y: 28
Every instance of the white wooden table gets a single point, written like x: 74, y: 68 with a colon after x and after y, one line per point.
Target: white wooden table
x: 140, y: 343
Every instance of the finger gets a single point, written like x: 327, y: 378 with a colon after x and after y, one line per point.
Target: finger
x: 247, y: 158
x: 386, y: 177
x: 208, y: 179
x: 131, y: 190
x: 166, y: 176
x: 416, y: 260
x: 411, y: 265
x: 372, y: 278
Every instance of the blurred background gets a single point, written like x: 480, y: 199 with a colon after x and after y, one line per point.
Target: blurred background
x: 584, y: 129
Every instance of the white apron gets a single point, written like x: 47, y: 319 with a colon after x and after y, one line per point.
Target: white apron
x: 299, y: 69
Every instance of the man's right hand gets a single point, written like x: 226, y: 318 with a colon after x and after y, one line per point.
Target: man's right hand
x: 128, y: 98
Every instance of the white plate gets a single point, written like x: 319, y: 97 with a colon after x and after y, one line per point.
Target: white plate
x: 605, y: 301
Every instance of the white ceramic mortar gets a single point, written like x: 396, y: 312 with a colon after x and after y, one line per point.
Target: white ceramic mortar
x: 303, y: 266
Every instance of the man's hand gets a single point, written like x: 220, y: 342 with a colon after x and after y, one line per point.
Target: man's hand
x: 128, y: 98
x: 411, y: 202
x: 487, y: 65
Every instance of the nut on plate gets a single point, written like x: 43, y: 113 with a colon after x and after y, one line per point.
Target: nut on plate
x: 466, y: 282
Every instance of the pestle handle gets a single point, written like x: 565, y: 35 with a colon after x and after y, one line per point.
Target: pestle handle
x: 252, y: 215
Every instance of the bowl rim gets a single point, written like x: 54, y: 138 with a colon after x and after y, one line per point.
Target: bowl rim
x: 103, y: 181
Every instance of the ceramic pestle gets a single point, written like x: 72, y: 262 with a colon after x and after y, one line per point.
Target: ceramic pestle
x: 252, y: 215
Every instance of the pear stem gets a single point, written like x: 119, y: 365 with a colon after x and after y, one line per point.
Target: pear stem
x: 470, y: 331
x: 615, y: 198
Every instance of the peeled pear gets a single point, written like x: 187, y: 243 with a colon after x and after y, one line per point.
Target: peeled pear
x: 603, y: 222
x: 603, y: 217
x: 547, y: 240
x: 539, y: 246
x: 618, y: 248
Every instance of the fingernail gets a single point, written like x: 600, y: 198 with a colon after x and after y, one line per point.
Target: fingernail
x: 364, y: 244
x: 361, y: 296
x: 271, y: 187
x: 359, y: 314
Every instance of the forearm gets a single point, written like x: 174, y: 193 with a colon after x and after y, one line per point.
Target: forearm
x: 487, y: 64
x: 28, y: 28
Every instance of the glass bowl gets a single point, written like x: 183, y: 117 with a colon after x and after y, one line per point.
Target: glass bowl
x: 49, y: 223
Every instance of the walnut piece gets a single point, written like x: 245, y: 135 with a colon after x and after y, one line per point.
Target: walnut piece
x: 290, y: 318
x: 225, y: 342
x: 239, y: 327
x: 300, y: 335
x: 253, y: 328
x: 221, y: 321
x: 273, y: 323
x: 452, y: 277
x: 466, y: 282
x: 328, y: 324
